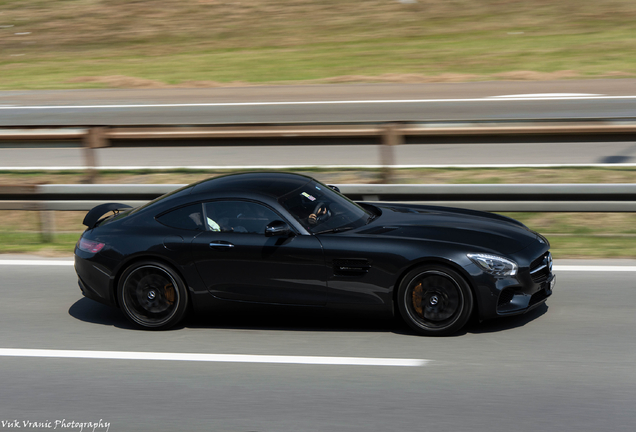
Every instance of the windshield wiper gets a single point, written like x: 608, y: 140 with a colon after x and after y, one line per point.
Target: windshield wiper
x: 335, y: 230
x: 371, y: 218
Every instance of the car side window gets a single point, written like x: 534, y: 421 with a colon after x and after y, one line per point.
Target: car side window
x: 188, y: 218
x: 238, y: 217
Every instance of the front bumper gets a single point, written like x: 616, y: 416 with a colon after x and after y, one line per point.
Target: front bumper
x: 534, y: 282
x: 514, y: 301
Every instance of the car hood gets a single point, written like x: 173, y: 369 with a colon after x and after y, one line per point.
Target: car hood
x: 483, y: 230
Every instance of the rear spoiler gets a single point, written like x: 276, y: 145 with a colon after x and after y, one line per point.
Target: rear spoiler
x: 96, y: 213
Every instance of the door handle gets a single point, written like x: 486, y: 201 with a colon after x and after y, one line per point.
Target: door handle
x: 221, y: 244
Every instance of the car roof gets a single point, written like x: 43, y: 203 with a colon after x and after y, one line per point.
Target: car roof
x: 244, y: 185
x: 266, y: 183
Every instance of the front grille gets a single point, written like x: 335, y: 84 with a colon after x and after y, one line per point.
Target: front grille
x: 538, y: 261
x: 540, y: 268
x: 541, y: 275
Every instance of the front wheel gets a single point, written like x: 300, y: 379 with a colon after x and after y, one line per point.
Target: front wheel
x: 435, y: 300
x: 152, y: 295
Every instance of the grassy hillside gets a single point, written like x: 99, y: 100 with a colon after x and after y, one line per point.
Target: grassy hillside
x: 154, y: 43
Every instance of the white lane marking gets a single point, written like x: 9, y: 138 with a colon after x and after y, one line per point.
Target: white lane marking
x: 41, y: 262
x: 279, y: 167
x: 333, y: 102
x: 221, y: 358
x: 544, y: 95
x: 579, y: 268
x: 557, y: 267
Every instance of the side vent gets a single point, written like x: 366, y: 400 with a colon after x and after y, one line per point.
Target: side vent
x: 351, y: 267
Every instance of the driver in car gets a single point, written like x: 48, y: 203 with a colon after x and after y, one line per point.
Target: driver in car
x: 317, y: 217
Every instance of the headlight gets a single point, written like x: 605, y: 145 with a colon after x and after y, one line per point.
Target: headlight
x: 494, y: 265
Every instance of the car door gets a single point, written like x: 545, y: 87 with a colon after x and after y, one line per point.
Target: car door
x: 237, y: 261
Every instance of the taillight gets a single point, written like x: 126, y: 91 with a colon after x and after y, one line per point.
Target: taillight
x: 90, y: 246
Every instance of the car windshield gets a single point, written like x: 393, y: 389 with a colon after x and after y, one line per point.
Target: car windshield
x: 321, y: 209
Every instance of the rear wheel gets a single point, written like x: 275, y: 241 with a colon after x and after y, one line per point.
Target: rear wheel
x: 152, y: 295
x: 435, y: 300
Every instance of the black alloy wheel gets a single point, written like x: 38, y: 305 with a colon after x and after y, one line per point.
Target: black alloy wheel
x: 435, y: 300
x: 152, y: 295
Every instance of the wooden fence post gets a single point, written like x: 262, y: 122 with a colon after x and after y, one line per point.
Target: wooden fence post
x: 93, y: 140
x: 390, y: 139
x: 47, y: 225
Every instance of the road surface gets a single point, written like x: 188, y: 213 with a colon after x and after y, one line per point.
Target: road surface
x: 382, y: 102
x: 323, y: 103
x: 568, y: 366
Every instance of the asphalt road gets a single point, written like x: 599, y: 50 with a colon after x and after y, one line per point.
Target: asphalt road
x: 331, y: 155
x: 323, y: 103
x: 382, y: 102
x: 568, y: 366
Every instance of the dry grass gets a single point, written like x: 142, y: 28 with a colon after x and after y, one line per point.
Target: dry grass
x: 200, y: 43
x: 239, y: 24
x: 121, y: 81
x: 233, y: 24
x: 344, y: 176
x: 518, y: 176
x: 29, y: 221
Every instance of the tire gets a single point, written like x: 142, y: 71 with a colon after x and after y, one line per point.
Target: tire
x: 152, y: 295
x: 435, y: 300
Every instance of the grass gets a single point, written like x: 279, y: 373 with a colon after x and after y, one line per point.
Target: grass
x: 572, y: 235
x: 408, y: 176
x: 106, y: 43
x: 31, y: 243
x: 588, y: 247
x: 585, y: 235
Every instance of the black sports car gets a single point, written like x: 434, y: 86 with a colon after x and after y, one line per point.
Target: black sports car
x: 287, y: 239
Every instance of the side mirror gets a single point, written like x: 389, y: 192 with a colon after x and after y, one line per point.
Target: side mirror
x: 277, y: 228
x: 336, y: 188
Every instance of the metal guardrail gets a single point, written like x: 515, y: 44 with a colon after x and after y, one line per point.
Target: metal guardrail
x: 389, y: 134
x: 486, y: 197
x: 47, y: 199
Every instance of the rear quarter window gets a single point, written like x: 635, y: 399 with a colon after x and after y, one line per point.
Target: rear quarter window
x: 187, y: 218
